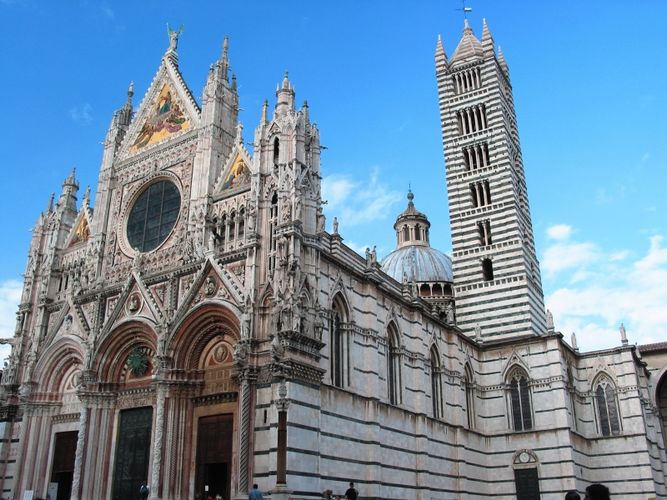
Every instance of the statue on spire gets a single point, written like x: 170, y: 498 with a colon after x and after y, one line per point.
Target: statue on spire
x: 173, y: 37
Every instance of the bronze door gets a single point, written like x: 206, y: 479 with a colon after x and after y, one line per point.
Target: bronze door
x: 132, y: 453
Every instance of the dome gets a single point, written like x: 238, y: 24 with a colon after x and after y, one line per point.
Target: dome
x: 419, y: 264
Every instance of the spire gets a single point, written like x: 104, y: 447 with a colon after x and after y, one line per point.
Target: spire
x: 265, y: 108
x: 49, y: 206
x: 67, y: 198
x: 285, y: 96
x: 469, y: 47
x: 130, y: 94
x: 487, y: 39
x: 70, y: 180
x: 305, y: 110
x: 502, y: 63
x: 86, y: 197
x: 225, y: 57
x: 440, y: 55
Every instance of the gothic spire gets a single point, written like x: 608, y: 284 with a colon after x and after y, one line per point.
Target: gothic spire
x: 440, y: 55
x: 487, y: 39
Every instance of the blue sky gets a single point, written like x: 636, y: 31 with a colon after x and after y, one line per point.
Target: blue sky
x: 588, y: 82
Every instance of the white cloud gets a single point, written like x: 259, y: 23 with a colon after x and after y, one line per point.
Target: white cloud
x: 356, y: 202
x: 82, y: 115
x: 604, y: 289
x: 10, y: 296
x: 559, y: 232
x: 562, y: 256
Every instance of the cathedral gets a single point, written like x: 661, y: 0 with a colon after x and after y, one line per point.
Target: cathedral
x: 199, y: 330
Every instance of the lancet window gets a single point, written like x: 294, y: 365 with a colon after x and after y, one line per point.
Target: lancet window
x: 606, y: 406
x: 519, y: 400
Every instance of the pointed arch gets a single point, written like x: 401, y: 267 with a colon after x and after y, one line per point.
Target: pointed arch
x: 113, y: 352
x: 519, y: 398
x: 198, y: 328
x: 436, y: 382
x: 470, y: 394
x: 605, y: 401
x: 394, y: 387
x: 339, y: 341
x: 56, y: 364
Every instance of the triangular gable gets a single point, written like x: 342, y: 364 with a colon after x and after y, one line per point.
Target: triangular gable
x: 134, y: 302
x: 211, y: 283
x: 167, y: 111
x: 80, y: 230
x: 237, y: 171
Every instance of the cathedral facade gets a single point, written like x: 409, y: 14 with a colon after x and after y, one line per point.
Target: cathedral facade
x: 199, y: 330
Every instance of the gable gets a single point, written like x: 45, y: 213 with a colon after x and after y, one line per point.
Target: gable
x: 165, y: 118
x: 238, y: 174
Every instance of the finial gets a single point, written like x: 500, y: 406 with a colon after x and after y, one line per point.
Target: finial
x: 410, y: 197
x: 466, y: 25
x: 173, y: 42
x: 624, y: 336
x: 225, y: 48
x: 239, y: 133
x: 265, y: 108
x: 574, y: 342
x: 86, y: 196
x: 286, y: 80
x: 49, y: 207
x: 130, y: 91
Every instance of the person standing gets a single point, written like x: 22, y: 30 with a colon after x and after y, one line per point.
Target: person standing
x: 351, y: 493
x: 255, y: 494
x: 597, y: 492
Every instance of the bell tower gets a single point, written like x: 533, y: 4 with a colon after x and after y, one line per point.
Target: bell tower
x: 496, y: 274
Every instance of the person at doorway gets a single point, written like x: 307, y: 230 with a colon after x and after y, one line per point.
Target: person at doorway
x: 255, y: 494
x: 143, y: 490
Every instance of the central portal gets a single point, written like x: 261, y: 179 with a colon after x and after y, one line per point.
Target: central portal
x: 132, y: 452
x: 214, y: 456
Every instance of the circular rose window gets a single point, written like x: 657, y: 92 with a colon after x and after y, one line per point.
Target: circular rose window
x: 153, y: 216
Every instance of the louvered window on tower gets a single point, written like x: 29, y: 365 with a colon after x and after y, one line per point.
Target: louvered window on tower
x: 481, y: 194
x: 484, y: 228
x: 476, y: 156
x: 467, y: 80
x: 519, y: 401
x: 472, y: 119
x: 487, y: 270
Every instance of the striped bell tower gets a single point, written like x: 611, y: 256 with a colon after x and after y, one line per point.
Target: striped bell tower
x: 496, y: 274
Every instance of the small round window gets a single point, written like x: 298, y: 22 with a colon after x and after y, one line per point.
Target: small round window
x: 153, y: 216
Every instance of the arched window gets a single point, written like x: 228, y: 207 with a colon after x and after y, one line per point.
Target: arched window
x: 606, y: 407
x: 276, y: 151
x: 487, y: 269
x: 406, y: 233
x: 470, y: 396
x: 273, y: 222
x: 519, y: 400
x: 338, y: 342
x: 241, y: 224
x: 232, y: 226
x: 418, y: 232
x: 393, y: 366
x: 223, y: 230
x: 436, y: 384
